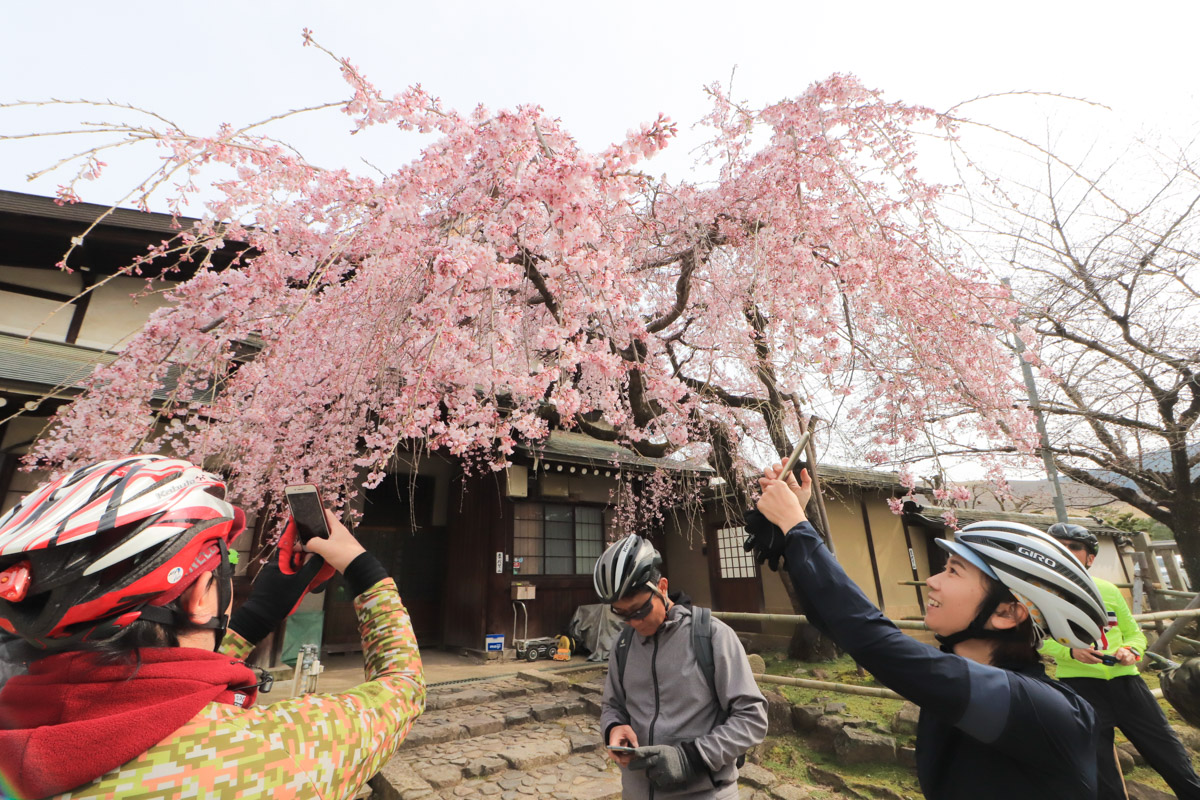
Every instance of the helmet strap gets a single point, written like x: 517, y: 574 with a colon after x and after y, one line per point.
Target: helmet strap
x: 224, y: 571
x: 666, y: 601
x: 220, y: 622
x: 976, y: 629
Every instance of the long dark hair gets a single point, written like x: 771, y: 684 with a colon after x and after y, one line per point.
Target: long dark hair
x: 1022, y: 649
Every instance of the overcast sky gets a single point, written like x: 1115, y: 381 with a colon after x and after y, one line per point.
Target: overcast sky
x: 602, y: 67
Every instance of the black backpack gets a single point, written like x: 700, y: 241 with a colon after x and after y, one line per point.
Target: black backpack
x: 702, y: 646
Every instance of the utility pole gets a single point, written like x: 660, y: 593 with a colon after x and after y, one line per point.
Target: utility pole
x: 1060, y: 507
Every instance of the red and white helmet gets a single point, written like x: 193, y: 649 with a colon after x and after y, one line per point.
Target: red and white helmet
x: 82, y: 556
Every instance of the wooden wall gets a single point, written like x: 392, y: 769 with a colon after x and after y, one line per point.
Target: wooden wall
x: 557, y: 598
x: 478, y: 599
x: 477, y: 520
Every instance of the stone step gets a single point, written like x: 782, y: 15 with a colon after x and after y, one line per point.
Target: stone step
x: 480, y: 712
x: 557, y: 759
x: 590, y: 681
x: 529, y: 736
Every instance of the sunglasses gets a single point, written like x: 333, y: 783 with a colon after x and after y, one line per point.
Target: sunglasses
x: 636, y: 614
x: 1076, y: 547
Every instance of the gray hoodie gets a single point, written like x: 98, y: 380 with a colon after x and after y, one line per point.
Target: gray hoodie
x: 666, y: 700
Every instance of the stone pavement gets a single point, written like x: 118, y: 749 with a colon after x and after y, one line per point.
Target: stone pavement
x: 531, y: 735
x: 345, y: 671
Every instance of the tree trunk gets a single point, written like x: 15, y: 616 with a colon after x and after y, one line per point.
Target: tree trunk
x: 807, y: 644
x: 1185, y: 524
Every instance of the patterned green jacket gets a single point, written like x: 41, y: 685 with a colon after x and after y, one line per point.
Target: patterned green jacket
x: 316, y: 746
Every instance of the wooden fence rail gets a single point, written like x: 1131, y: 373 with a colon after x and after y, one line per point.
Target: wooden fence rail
x: 845, y: 688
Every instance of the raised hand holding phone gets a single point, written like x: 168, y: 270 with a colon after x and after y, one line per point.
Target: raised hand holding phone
x: 308, y: 511
x: 767, y: 523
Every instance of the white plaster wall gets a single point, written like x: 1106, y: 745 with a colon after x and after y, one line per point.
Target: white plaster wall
x: 43, y: 319
x: 112, y: 317
x: 116, y: 314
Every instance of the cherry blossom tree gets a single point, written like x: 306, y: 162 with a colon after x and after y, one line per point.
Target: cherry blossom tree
x: 507, y: 281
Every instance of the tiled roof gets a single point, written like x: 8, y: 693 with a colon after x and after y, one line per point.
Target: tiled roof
x: 33, y: 205
x: 47, y: 364
x: 574, y: 447
x: 28, y: 364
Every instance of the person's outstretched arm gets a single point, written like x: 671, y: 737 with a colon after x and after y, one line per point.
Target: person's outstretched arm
x: 331, y: 745
x: 1022, y: 718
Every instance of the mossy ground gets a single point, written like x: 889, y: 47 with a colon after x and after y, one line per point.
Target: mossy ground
x: 843, y: 670
x: 793, y: 757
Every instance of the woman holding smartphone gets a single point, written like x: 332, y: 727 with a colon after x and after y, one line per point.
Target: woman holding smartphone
x: 120, y: 572
x: 992, y: 724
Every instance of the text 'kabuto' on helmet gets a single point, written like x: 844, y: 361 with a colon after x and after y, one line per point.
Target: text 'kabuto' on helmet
x: 625, y: 566
x: 83, y: 555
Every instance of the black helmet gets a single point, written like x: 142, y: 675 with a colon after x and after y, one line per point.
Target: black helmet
x: 1075, y: 533
x: 625, y: 566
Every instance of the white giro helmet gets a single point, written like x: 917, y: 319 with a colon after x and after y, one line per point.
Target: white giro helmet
x: 1043, y: 575
x: 625, y: 565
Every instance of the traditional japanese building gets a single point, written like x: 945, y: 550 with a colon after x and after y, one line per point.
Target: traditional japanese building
x: 473, y: 552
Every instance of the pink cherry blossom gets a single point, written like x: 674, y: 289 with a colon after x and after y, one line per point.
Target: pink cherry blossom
x: 507, y: 278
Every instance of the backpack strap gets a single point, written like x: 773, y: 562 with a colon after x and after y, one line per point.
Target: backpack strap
x: 702, y: 647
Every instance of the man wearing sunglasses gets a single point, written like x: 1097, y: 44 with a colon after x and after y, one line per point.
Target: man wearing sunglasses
x: 681, y: 726
x: 1109, y: 680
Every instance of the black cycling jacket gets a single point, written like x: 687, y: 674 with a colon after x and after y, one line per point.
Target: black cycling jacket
x: 985, y: 732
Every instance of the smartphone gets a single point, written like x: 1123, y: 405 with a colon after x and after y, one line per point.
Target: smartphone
x: 308, y: 511
x: 616, y: 748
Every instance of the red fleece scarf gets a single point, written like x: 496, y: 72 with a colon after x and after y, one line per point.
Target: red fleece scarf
x: 72, y: 719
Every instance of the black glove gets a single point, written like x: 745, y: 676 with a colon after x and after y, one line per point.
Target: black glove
x: 764, y: 538
x: 273, y: 599
x: 668, y: 766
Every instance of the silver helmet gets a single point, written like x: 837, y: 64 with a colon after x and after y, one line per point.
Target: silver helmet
x: 624, y: 566
x: 1043, y: 575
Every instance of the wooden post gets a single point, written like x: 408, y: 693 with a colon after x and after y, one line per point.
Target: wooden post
x: 1144, y: 558
x: 916, y: 582
x: 1138, y: 591
x: 818, y: 496
x: 1162, y: 645
x: 862, y: 504
x: 1168, y: 557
